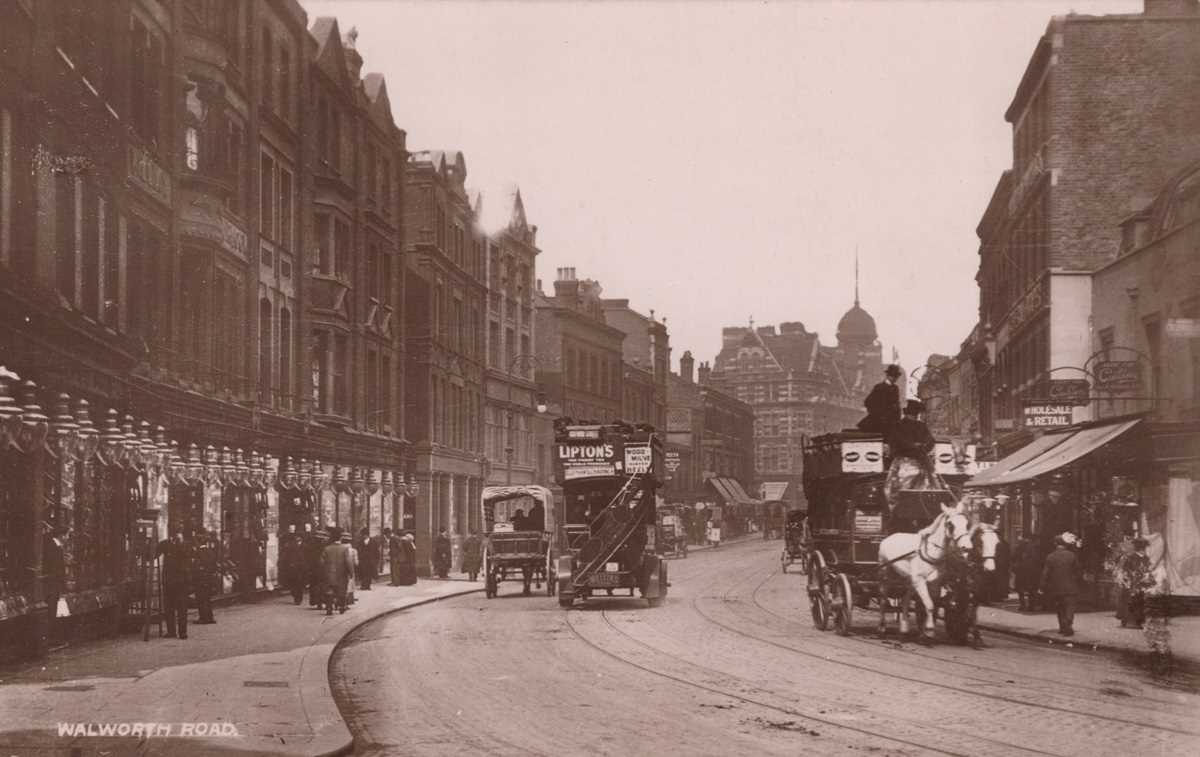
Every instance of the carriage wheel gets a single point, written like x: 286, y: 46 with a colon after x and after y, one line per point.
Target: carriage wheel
x: 783, y: 560
x: 816, y: 570
x: 818, y: 604
x: 842, y: 606
x: 804, y: 563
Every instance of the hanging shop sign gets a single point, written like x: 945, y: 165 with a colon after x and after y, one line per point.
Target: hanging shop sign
x: 1119, y: 376
x: 1183, y: 328
x: 1047, y: 415
x: 672, y: 459
x: 1073, y: 391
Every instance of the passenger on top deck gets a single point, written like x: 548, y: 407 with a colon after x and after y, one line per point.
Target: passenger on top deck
x: 911, y: 444
x: 883, y: 404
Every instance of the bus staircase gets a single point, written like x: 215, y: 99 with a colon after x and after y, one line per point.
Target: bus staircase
x: 621, y: 522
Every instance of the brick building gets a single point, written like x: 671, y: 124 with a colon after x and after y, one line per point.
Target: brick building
x: 714, y: 435
x: 1102, y: 117
x: 159, y: 266
x: 446, y: 297
x: 646, y: 354
x: 579, y: 353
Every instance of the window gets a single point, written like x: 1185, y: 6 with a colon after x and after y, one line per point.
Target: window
x: 372, y: 169
x: 323, y: 130
x: 265, y: 359
x: 236, y: 150
x: 93, y: 228
x: 510, y: 346
x: 67, y: 190
x: 267, y: 77
x: 145, y: 88
x: 324, y: 262
x: 335, y: 122
x: 341, y: 248
x: 386, y: 172
x: 341, y: 376
x: 373, y: 409
x: 1154, y: 348
x: 385, y: 398
x: 570, y: 355
x: 493, y: 344
x: 319, y: 372
x: 374, y: 285
x: 285, y: 208
x: 266, y: 197
x: 285, y: 81
x: 285, y: 358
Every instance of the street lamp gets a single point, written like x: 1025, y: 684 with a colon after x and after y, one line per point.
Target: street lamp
x: 539, y: 403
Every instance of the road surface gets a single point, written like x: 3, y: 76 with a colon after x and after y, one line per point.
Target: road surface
x: 731, y: 664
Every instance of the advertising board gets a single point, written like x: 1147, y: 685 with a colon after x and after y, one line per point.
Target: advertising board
x: 947, y: 463
x: 588, y: 458
x: 1119, y: 376
x: 1074, y: 391
x: 862, y: 457
x: 637, y: 459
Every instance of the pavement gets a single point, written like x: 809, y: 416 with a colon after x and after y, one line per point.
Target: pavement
x: 1095, y: 630
x: 256, y: 682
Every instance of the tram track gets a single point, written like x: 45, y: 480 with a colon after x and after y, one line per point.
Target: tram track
x: 1146, y: 703
x: 934, y: 684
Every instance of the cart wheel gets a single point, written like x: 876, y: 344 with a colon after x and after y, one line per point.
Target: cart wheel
x: 816, y: 571
x: 842, y: 606
x: 804, y: 563
x: 819, y: 606
x: 783, y: 561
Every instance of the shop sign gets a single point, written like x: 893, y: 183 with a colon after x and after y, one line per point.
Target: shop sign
x: 1029, y: 306
x: 1119, y: 376
x: 862, y: 457
x: 588, y: 459
x: 1047, y: 415
x: 1003, y: 424
x: 672, y: 461
x: 868, y: 523
x: 637, y: 459
x: 1074, y: 391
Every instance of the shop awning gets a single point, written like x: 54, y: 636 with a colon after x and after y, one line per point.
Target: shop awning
x: 774, y: 490
x: 739, y: 493
x: 731, y: 491
x: 1067, y: 449
x: 1003, y: 467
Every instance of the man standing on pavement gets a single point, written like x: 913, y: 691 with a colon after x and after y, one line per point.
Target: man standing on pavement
x: 176, y: 581
x: 314, y: 548
x: 1060, y: 580
x: 366, y: 559
x: 338, y: 562
x: 472, y: 555
x: 392, y: 538
x: 207, y: 573
x: 291, y: 564
x: 441, y: 553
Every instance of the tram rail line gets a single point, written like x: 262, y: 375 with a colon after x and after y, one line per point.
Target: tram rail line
x: 944, y: 686
x: 1144, y: 702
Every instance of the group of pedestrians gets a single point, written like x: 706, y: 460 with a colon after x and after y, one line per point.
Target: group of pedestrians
x: 330, y: 563
x: 190, y: 567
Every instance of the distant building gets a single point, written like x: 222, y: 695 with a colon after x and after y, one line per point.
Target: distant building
x: 1103, y: 115
x: 797, y: 388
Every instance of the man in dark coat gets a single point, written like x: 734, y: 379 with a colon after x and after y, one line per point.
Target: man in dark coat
x: 316, y: 573
x: 176, y: 582
x: 395, y: 555
x: 472, y: 555
x: 911, y: 437
x: 536, y: 519
x: 1060, y: 581
x: 292, y: 570
x: 1027, y: 571
x: 368, y: 560
x: 207, y: 573
x: 442, y: 555
x: 339, y: 564
x: 883, y: 404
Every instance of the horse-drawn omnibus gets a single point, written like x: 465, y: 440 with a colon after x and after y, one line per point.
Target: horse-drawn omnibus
x: 511, y: 553
x: 849, y: 518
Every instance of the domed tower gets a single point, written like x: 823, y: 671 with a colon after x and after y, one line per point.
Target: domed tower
x: 859, y: 354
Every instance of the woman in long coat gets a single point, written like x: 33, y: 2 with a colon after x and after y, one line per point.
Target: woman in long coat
x: 339, y: 562
x: 408, y: 560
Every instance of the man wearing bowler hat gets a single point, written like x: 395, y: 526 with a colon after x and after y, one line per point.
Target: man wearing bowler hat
x: 883, y: 404
x: 1060, y: 580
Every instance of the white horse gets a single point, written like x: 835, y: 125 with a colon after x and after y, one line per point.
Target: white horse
x: 919, y: 558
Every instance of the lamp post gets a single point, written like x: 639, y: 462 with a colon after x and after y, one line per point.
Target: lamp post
x: 540, y: 404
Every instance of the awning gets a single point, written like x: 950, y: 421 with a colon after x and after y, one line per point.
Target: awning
x: 739, y: 493
x: 1066, y: 449
x: 774, y: 490
x: 731, y: 491
x: 1003, y: 467
x: 723, y: 489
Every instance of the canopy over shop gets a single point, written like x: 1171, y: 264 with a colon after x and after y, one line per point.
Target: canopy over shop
x: 1108, y: 481
x: 734, y: 495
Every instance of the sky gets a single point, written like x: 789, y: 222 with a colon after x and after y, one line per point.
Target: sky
x: 718, y: 162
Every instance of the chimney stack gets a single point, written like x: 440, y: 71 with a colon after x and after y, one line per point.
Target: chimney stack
x: 353, y: 60
x: 687, y: 365
x: 704, y: 371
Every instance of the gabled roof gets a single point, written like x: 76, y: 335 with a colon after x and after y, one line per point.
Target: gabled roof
x: 504, y: 211
x: 331, y: 57
x: 376, y: 90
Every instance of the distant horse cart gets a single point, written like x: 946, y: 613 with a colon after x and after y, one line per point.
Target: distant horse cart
x: 527, y: 556
x: 863, y: 553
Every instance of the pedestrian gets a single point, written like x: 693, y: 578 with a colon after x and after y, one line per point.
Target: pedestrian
x: 368, y: 563
x: 883, y: 404
x: 314, y: 549
x: 472, y: 555
x: 291, y: 564
x: 206, y: 573
x: 1001, y: 576
x: 408, y: 560
x: 1135, y: 579
x: 393, y: 539
x: 1060, y: 581
x: 1027, y: 570
x: 519, y: 521
x: 176, y: 553
x: 712, y: 533
x: 54, y: 570
x: 441, y: 554
x: 348, y: 538
x: 337, y: 560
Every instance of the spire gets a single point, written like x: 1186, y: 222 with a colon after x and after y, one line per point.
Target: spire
x: 856, y: 276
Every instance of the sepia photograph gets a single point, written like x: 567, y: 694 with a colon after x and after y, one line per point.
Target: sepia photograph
x: 599, y: 377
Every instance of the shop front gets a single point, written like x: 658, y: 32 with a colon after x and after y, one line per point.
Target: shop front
x: 1107, y: 482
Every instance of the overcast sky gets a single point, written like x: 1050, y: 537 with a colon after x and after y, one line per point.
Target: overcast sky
x: 724, y: 160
